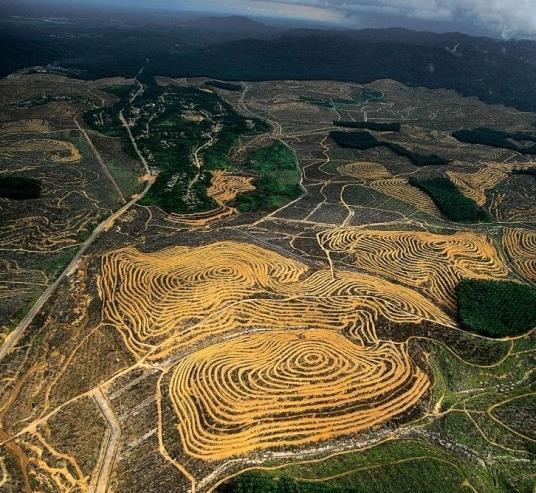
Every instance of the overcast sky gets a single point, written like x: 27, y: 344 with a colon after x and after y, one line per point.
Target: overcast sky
x: 509, y: 18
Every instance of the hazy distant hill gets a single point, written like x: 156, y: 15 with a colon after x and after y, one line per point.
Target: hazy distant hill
x: 238, y: 48
x: 233, y: 23
x: 495, y: 71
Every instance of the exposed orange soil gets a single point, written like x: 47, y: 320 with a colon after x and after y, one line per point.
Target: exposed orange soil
x: 400, y: 189
x: 365, y: 170
x: 224, y: 187
x: 170, y: 299
x: 520, y: 245
x: 62, y: 151
x: 286, y: 388
x: 435, y: 263
x: 474, y: 185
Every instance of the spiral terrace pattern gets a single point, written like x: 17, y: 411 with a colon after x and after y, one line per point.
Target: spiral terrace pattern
x: 400, y: 189
x: 520, y: 245
x: 285, y: 357
x: 474, y: 185
x: 168, y: 300
x: 224, y: 187
x: 154, y: 295
x: 62, y: 150
x: 200, y: 219
x: 435, y: 263
x: 286, y: 389
x: 364, y: 170
x: 25, y: 126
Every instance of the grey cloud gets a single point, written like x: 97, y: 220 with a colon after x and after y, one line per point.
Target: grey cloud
x: 508, y: 17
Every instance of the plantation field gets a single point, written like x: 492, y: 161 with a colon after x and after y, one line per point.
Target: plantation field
x: 243, y: 296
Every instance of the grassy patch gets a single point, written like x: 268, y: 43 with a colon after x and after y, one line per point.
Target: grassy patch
x: 424, y: 468
x: 377, y: 126
x: 449, y: 200
x: 127, y: 180
x: 365, y: 140
x: 277, y: 179
x: 496, y: 308
x: 19, y: 187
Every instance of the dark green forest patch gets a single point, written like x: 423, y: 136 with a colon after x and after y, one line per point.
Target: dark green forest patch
x: 328, y: 102
x: 449, y: 200
x: 369, y: 95
x: 19, y: 187
x: 228, y: 86
x: 496, y: 308
x: 365, y: 140
x: 528, y: 171
x: 522, y: 142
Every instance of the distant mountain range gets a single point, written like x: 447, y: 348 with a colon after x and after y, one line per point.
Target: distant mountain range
x: 238, y: 48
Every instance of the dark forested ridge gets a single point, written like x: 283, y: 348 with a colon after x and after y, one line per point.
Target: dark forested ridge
x: 522, y: 142
x: 496, y: 71
x: 364, y: 140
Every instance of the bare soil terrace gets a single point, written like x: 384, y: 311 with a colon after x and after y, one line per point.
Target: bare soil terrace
x: 182, y: 351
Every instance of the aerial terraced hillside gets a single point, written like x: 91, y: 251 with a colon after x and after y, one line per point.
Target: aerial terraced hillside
x: 243, y: 304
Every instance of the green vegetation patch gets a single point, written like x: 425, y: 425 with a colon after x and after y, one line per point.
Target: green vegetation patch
x: 277, y: 179
x: 369, y: 95
x: 121, y: 91
x: 449, y: 200
x: 423, y: 468
x: 496, y: 308
x: 228, y: 86
x: 377, y: 126
x: 355, y: 140
x: 416, y: 158
x: 365, y: 140
x: 19, y: 187
x: 183, y: 132
x: 519, y: 414
x: 497, y: 138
